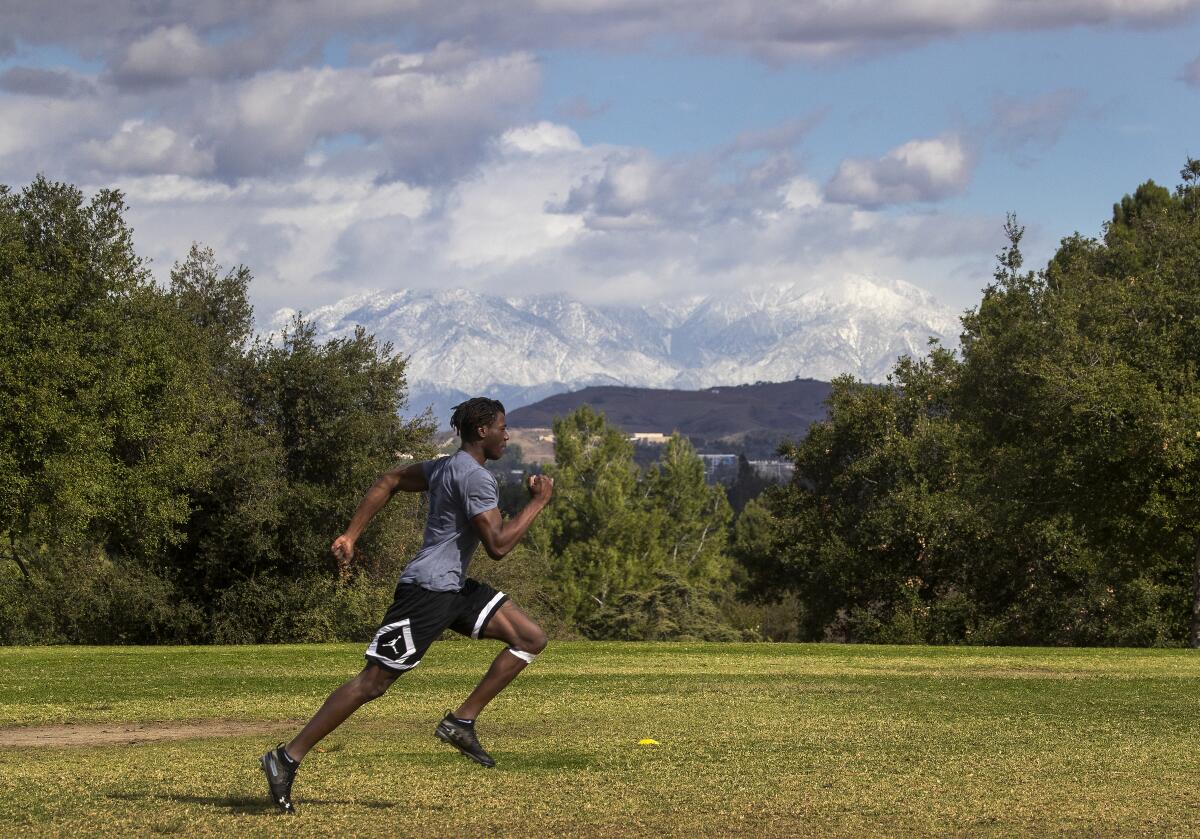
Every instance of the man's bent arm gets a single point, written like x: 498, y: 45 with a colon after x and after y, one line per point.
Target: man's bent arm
x: 500, y: 536
x: 409, y: 478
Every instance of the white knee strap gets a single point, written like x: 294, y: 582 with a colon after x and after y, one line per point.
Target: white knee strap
x: 528, y: 658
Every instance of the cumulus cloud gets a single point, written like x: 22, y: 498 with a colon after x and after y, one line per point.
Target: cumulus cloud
x: 918, y: 171
x: 38, y: 81
x: 287, y: 231
x: 139, y: 147
x: 167, y: 56
x: 543, y: 211
x: 634, y: 189
x: 425, y: 167
x: 42, y: 134
x: 430, y: 122
x: 801, y: 192
x: 541, y: 138
x: 418, y: 117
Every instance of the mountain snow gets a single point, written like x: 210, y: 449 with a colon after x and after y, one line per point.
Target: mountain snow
x: 461, y: 343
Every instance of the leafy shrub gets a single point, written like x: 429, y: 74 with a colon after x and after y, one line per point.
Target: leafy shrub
x: 271, y: 610
x: 672, y: 610
x: 91, y: 599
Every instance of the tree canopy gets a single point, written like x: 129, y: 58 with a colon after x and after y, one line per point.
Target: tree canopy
x: 1042, y: 486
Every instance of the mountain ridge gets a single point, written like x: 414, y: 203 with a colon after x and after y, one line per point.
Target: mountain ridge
x: 462, y: 343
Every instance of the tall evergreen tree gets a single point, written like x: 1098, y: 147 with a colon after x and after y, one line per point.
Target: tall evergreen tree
x: 692, y: 518
x: 597, y: 535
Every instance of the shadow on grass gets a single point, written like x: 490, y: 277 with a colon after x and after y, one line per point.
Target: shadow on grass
x: 243, y: 805
x: 552, y: 762
x: 532, y: 762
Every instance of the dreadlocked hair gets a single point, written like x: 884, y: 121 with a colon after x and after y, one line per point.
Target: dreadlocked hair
x: 473, y: 414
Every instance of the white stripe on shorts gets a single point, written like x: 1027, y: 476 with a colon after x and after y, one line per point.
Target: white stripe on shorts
x: 485, y: 613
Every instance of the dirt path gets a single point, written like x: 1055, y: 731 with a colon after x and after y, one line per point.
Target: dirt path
x: 130, y: 733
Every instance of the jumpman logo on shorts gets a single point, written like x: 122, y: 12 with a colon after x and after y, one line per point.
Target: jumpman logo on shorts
x: 392, y: 644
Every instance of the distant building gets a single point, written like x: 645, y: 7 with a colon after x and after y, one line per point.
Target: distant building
x: 715, y: 463
x: 649, y: 438
x: 775, y: 470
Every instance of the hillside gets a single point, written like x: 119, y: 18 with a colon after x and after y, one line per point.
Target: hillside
x: 771, y: 410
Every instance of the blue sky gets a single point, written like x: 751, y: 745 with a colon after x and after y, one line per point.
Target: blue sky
x: 620, y: 151
x: 1134, y: 117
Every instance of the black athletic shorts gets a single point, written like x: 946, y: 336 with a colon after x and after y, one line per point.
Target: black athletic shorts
x: 418, y: 616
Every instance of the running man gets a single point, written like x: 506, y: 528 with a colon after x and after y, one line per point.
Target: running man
x: 434, y: 592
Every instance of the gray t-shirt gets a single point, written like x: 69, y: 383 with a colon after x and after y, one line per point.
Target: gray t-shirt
x: 459, y: 490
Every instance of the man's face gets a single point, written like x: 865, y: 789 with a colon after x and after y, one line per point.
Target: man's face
x: 495, y: 438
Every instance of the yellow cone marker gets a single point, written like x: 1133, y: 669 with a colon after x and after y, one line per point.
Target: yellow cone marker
x: 647, y: 742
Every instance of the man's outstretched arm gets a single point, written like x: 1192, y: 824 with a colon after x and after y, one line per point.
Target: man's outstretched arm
x: 409, y: 478
x: 500, y: 536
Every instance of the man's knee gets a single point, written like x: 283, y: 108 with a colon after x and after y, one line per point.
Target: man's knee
x: 534, y: 640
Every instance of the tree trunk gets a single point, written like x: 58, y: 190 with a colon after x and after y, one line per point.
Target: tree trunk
x: 1195, y: 639
x: 12, y: 544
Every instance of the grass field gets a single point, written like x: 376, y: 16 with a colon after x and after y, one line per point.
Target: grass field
x: 755, y: 740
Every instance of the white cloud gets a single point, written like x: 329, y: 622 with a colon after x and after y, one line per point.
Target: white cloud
x: 541, y: 138
x: 500, y: 218
x: 36, y: 134
x: 286, y: 231
x: 689, y: 226
x: 917, y: 171
x: 168, y: 55
x: 139, y: 147
x: 802, y: 192
x: 429, y: 124
x: 426, y: 167
x: 421, y: 118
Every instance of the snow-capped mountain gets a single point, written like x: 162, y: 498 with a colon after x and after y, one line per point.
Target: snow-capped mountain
x: 519, y: 350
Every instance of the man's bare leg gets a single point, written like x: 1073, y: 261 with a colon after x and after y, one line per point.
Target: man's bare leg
x: 371, y: 683
x: 520, y: 632
x: 525, y: 640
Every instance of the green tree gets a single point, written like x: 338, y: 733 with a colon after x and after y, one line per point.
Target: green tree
x: 1089, y: 371
x: 217, y: 305
x: 597, y: 535
x: 691, y: 517
x: 104, y: 406
x: 334, y: 408
x: 237, y: 511
x: 746, y: 486
x: 1189, y: 190
x: 1147, y: 200
x: 149, y: 449
x: 1042, y: 489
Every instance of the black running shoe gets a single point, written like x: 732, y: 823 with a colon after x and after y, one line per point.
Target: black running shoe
x: 280, y: 775
x: 462, y: 737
